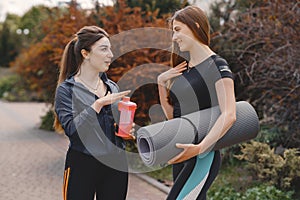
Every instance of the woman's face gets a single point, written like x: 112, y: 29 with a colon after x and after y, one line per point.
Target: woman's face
x: 100, y: 55
x: 183, y: 36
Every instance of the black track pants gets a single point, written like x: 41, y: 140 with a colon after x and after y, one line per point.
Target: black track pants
x: 85, y: 177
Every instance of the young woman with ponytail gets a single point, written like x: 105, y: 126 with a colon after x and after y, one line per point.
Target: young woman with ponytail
x: 95, y: 162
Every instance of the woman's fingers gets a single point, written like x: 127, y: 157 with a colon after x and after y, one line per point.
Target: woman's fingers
x: 172, y: 73
x: 125, y: 92
x: 120, y: 94
x: 113, y: 97
x: 181, y: 66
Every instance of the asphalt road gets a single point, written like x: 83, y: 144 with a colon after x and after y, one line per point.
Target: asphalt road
x: 32, y: 160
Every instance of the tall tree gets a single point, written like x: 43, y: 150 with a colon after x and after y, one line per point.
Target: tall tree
x: 163, y: 6
x: 9, y: 40
x: 32, y: 21
x: 261, y: 43
x: 38, y: 64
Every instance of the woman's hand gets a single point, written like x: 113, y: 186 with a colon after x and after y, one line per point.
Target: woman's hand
x: 132, y: 131
x: 129, y: 136
x: 108, y: 99
x: 189, y: 151
x: 163, y: 78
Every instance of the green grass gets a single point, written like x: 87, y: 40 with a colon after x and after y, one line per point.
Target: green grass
x: 235, y: 176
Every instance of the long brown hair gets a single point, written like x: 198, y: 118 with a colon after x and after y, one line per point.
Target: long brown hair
x: 72, y: 57
x: 197, y: 21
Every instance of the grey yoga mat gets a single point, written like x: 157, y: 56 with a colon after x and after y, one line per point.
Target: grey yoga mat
x: 156, y: 142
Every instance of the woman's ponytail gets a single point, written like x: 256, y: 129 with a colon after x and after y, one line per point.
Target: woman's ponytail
x: 68, y: 66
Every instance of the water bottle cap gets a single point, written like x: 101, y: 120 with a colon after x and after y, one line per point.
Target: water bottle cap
x: 126, y: 99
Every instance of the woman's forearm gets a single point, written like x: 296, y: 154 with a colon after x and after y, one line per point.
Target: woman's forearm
x: 226, y: 99
x: 221, y: 126
x: 163, y: 97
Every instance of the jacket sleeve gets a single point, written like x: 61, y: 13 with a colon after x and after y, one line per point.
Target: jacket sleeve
x: 66, y: 113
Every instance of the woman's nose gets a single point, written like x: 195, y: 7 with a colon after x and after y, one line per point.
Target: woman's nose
x: 174, y: 37
x: 110, y: 54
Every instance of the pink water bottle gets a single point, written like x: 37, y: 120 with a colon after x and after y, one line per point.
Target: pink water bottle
x: 127, y: 110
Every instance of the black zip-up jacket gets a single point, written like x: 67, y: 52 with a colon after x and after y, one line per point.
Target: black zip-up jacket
x: 88, y: 131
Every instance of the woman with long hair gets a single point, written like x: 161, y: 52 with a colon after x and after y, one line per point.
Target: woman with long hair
x: 199, y: 79
x: 95, y: 163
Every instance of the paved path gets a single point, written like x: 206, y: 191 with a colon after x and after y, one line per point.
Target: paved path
x: 32, y: 160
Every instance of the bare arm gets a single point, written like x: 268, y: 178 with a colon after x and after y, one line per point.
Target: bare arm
x: 226, y: 98
x: 162, y: 80
x: 163, y: 97
x: 108, y: 99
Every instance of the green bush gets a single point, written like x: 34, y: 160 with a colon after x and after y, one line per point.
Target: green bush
x: 269, y: 167
x: 271, y: 135
x: 223, y: 193
x: 47, y: 121
x: 14, y: 88
x: 7, y: 84
x: 262, y: 192
x: 267, y: 134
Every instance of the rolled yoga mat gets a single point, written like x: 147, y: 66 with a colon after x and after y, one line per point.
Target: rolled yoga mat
x: 156, y: 142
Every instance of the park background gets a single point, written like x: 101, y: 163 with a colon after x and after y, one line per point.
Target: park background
x: 260, y: 40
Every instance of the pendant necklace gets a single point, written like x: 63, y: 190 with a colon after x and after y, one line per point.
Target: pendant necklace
x: 94, y: 89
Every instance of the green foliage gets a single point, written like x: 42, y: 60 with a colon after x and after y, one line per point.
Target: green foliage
x: 33, y: 20
x: 269, y: 167
x: 271, y: 135
x: 12, y: 36
x: 13, y: 88
x: 262, y: 192
x: 7, y: 84
x: 47, y: 121
x: 9, y: 44
x: 266, y: 192
x: 163, y: 6
x: 223, y: 193
x: 228, y: 155
x: 39, y: 63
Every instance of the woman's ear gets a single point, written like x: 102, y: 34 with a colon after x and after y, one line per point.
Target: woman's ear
x: 84, y: 53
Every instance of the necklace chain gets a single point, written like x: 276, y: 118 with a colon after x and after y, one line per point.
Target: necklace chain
x: 95, y: 89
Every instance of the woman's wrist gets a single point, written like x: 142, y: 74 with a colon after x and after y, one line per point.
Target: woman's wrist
x: 161, y: 83
x: 97, y: 106
x: 200, y: 148
x: 160, y: 80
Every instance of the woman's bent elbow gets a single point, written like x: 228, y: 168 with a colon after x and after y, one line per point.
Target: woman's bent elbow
x: 232, y: 118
